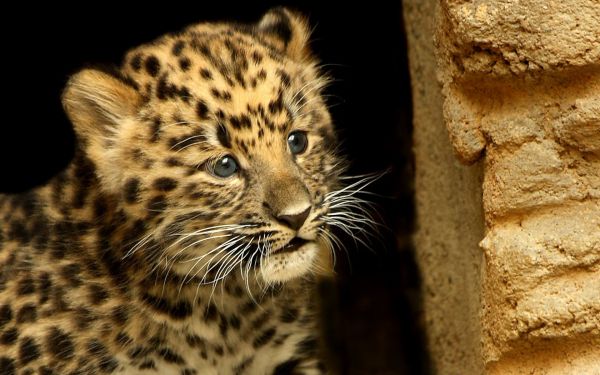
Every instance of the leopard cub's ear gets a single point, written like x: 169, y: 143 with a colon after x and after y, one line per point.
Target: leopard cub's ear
x: 288, y: 31
x: 102, y: 106
x: 97, y: 103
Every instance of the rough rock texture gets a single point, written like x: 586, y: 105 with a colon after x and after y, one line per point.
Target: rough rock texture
x: 450, y: 217
x: 521, y: 88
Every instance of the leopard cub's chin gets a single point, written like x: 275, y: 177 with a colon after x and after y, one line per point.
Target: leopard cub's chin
x: 282, y: 266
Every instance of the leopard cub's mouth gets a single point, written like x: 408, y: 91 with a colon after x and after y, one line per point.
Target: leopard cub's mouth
x: 295, y: 244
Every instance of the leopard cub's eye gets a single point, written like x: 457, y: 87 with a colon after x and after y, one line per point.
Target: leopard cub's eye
x: 225, y: 167
x: 297, y: 141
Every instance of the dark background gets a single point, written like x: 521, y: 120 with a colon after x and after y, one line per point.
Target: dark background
x: 372, y: 312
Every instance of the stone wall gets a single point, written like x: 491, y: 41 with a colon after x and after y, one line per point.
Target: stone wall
x: 520, y: 82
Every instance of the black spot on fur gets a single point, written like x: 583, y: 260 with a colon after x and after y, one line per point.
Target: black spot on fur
x: 27, y: 313
x: 178, y: 311
x: 184, y: 94
x: 223, y: 325
x: 170, y: 356
x: 211, y: 313
x: 173, y: 162
x: 5, y: 315
x: 18, y: 232
x: 70, y: 272
x: 188, y: 371
x: 222, y: 95
x: 308, y: 345
x: 57, y: 299
x: 25, y: 286
x: 271, y: 128
x: 248, y: 308
x: 131, y: 190
x: 28, y: 351
x: 261, y: 75
x: 220, y: 114
x: 202, y: 110
x: 84, y: 318
x: 157, y: 205
x: 119, y: 315
x: 123, y: 340
x: 84, y: 174
x: 327, y: 136
x: 287, y: 367
x: 138, y: 352
x: 194, y: 340
x: 44, y: 286
x: 96, y: 348
x: 156, y: 341
x: 164, y: 90
x: 241, y: 367
x: 98, y: 295
x: 59, y: 344
x: 26, y: 202
x: 206, y: 74
x: 9, y: 336
x: 276, y: 106
x: 136, y: 62
x: 100, y: 207
x: 108, y: 364
x: 7, y: 366
x: 178, y: 47
x: 215, y: 93
x: 235, y: 322
x: 288, y: 315
x: 152, y: 66
x: 164, y: 184
x: 243, y: 146
x: 147, y: 365
x: 261, y: 320
x: 184, y: 64
x: 223, y: 136
x: 257, y: 57
x: 264, y: 338
x: 281, y: 27
x: 155, y: 126
x: 286, y: 80
x: 240, y: 122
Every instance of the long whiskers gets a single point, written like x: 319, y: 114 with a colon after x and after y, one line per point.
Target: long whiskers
x: 352, y: 214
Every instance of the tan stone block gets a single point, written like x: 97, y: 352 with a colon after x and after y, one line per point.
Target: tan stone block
x: 532, y: 175
x: 505, y: 37
x: 579, y: 127
x: 567, y: 357
x: 542, y: 277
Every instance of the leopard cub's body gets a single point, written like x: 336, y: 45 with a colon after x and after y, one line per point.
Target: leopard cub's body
x: 184, y: 236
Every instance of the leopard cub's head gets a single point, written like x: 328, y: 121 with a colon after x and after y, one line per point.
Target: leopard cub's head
x: 216, y: 141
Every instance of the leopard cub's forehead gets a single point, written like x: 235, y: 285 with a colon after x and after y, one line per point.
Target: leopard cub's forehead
x: 216, y: 69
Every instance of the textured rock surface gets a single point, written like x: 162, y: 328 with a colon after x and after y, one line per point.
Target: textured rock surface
x: 521, y: 88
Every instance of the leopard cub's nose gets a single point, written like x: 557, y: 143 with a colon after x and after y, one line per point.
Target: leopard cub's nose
x: 295, y: 220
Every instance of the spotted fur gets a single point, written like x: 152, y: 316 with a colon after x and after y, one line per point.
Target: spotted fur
x: 137, y: 258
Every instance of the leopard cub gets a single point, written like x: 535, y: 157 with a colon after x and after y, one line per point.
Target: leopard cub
x: 186, y: 235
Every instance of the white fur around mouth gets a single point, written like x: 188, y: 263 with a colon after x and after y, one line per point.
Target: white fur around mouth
x: 283, y: 265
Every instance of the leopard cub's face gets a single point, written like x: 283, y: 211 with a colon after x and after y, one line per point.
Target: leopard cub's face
x: 217, y: 142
